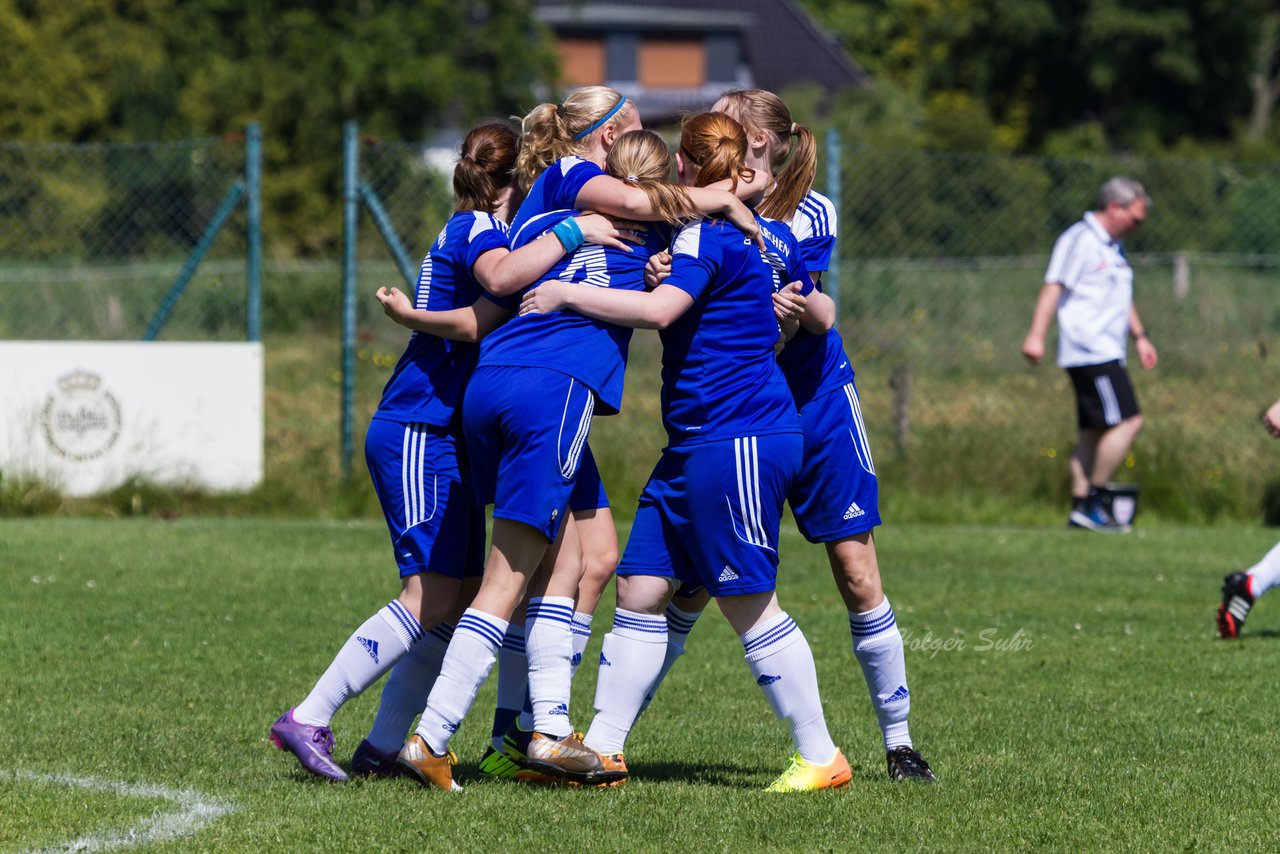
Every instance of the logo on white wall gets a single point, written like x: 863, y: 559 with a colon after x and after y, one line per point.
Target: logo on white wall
x: 81, y: 418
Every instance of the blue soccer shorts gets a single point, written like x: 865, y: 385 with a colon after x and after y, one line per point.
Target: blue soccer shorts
x: 836, y: 494
x: 710, y: 514
x: 526, y: 431
x: 436, y: 525
x: 588, y: 490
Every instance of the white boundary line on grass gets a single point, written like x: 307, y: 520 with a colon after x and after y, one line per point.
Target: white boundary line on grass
x: 196, y: 811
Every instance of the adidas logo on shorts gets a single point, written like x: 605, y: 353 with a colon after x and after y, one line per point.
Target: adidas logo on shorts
x: 727, y: 574
x: 370, y: 646
x: 854, y: 512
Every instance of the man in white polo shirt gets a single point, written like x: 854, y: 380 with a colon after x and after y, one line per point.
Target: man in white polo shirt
x: 1089, y: 285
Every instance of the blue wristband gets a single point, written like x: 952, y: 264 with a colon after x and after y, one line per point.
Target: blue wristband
x: 569, y: 234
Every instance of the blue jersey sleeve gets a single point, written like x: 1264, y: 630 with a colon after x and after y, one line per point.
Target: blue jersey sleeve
x: 487, y: 233
x: 817, y: 252
x: 814, y: 225
x: 696, y: 257
x: 566, y: 178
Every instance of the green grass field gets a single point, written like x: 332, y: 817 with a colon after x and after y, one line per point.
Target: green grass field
x: 1069, y: 691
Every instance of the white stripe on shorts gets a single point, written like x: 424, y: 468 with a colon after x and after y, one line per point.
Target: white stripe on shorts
x: 404, y: 476
x: 747, y: 468
x: 1110, y: 406
x: 569, y: 465
x: 413, y: 478
x: 860, y: 443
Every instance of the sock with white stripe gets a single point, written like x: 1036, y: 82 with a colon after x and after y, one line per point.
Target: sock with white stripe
x: 406, y: 689
x: 467, y: 663
x: 1265, y: 574
x: 679, y: 624
x: 513, y: 682
x: 549, y: 644
x: 877, y: 644
x: 630, y: 660
x: 367, y: 654
x: 782, y: 663
x: 581, y: 637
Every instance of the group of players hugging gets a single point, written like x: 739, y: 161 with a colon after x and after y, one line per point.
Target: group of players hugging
x: 519, y: 338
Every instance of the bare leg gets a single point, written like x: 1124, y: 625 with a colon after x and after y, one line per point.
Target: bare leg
x: 1112, y: 448
x: 599, y: 540
x: 1082, y: 462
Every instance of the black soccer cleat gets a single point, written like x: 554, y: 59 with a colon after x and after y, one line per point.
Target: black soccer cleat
x: 905, y: 764
x: 1236, y: 602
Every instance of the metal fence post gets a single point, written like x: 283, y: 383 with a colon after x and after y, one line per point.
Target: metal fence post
x: 350, y: 220
x: 253, y: 229
x: 834, y: 183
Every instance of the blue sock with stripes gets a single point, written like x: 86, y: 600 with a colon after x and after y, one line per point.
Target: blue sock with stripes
x: 630, y: 659
x: 877, y: 644
x: 377, y: 645
x: 548, y: 641
x: 406, y: 689
x: 782, y: 663
x: 467, y: 663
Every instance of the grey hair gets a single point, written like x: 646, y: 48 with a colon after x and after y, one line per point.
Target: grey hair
x: 1121, y: 190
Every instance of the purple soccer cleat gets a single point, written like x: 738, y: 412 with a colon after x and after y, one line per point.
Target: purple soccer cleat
x: 313, y: 745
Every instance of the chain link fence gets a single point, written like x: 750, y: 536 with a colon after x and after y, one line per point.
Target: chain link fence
x: 943, y: 256
x: 95, y: 241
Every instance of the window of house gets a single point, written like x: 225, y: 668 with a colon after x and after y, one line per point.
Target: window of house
x: 582, y: 60
x: 672, y: 62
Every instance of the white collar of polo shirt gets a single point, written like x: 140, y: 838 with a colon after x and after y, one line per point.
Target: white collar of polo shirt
x: 1103, y: 235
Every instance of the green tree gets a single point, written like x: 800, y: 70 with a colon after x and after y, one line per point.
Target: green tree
x: 97, y: 70
x: 1148, y: 72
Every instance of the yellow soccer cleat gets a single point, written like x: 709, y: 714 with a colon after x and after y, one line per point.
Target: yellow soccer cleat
x: 430, y: 770
x: 804, y: 776
x: 615, y: 767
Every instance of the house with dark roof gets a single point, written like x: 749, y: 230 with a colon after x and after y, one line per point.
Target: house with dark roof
x: 677, y: 56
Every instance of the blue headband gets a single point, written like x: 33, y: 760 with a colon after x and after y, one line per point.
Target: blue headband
x: 622, y: 99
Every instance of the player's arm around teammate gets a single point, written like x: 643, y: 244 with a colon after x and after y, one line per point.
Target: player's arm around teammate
x: 727, y: 409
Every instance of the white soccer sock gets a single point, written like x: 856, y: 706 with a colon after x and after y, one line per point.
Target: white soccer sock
x: 630, y: 659
x: 549, y: 645
x: 466, y: 665
x: 782, y: 663
x: 367, y: 654
x: 581, y: 636
x: 513, y: 682
x: 877, y: 644
x: 406, y: 689
x: 679, y: 624
x: 1265, y: 574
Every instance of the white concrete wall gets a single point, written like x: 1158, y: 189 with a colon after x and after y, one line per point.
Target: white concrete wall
x: 84, y: 416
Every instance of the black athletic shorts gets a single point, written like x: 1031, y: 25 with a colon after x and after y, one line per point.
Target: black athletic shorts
x: 1104, y: 395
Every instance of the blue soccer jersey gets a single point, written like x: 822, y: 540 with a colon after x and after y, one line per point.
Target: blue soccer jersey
x: 719, y: 376
x: 591, y: 351
x: 555, y: 189
x: 427, y: 384
x: 815, y: 364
